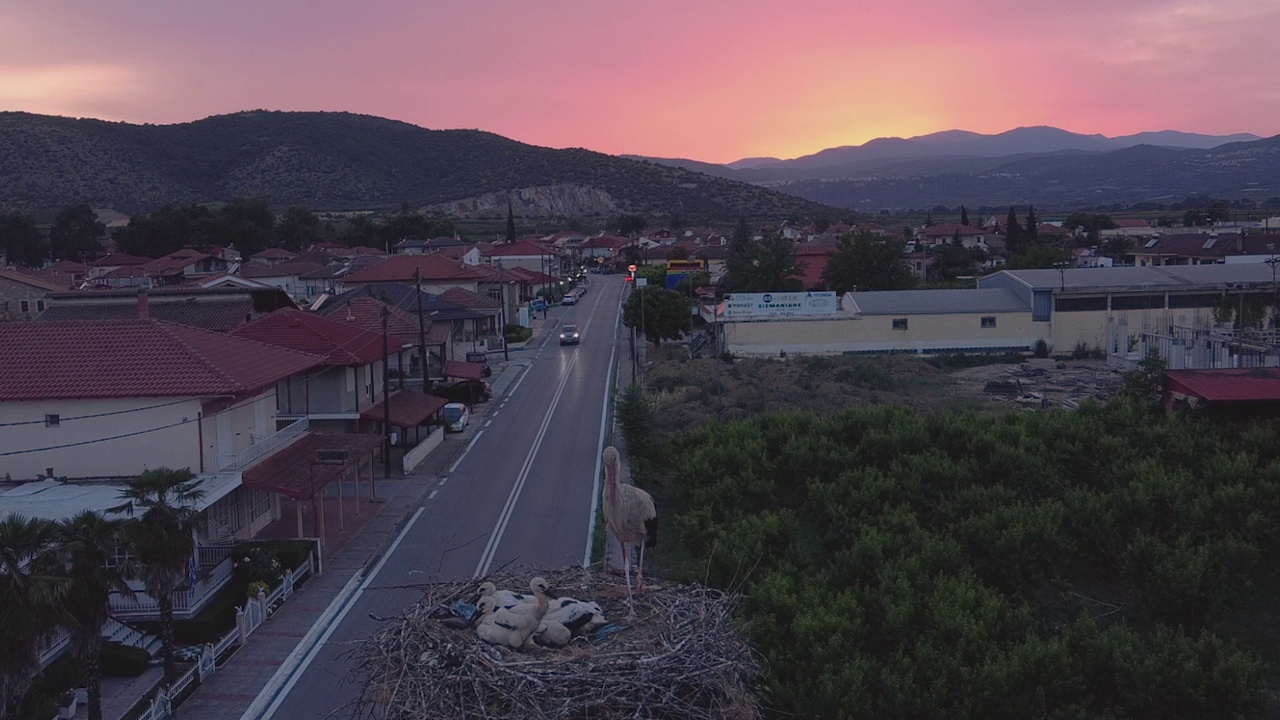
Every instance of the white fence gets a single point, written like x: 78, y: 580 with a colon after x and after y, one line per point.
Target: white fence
x: 185, y: 601
x: 255, y: 612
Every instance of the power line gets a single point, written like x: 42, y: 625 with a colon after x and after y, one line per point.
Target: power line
x: 98, y: 440
x: 97, y: 415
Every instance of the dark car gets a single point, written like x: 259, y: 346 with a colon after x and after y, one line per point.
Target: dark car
x: 464, y: 391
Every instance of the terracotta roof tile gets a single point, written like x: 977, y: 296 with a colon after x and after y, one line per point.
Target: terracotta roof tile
x: 216, y: 314
x: 339, y: 343
x: 470, y: 300
x: 400, y: 268
x: 135, y: 358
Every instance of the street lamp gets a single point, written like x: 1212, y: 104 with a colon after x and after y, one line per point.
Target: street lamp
x: 1273, y: 261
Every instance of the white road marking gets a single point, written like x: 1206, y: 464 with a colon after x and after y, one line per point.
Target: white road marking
x: 457, y: 462
x: 604, y: 417
x: 296, y: 671
x: 443, y: 480
x: 491, y: 549
x: 432, y: 496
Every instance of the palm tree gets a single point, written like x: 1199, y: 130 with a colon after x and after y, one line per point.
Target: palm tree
x: 31, y: 594
x: 163, y: 540
x: 89, y: 543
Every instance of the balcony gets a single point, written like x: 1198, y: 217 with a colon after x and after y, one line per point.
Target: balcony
x: 187, y: 602
x: 236, y: 462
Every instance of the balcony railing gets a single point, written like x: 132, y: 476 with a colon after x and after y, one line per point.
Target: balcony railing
x: 53, y: 645
x: 186, y: 602
x: 252, y: 454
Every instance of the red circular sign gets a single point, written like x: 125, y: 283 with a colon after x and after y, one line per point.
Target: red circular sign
x: 632, y: 268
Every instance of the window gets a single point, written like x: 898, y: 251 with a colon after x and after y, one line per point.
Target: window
x: 24, y: 305
x: 39, y: 306
x: 1081, y: 304
x: 989, y: 321
x: 53, y: 420
x: 899, y: 323
x: 1137, y: 302
x: 259, y: 503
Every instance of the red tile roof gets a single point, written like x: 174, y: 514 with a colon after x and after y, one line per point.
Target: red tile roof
x: 409, y: 408
x: 949, y: 231
x: 293, y: 470
x: 522, y: 248
x: 175, y: 261
x: 31, y: 280
x: 135, y: 358
x: 1131, y: 223
x: 120, y: 260
x: 272, y: 254
x: 338, y: 342
x: 366, y: 313
x: 1228, y: 385
x: 400, y: 268
x: 470, y: 300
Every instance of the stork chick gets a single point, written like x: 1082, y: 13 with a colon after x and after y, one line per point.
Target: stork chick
x: 512, y: 626
x: 631, y: 517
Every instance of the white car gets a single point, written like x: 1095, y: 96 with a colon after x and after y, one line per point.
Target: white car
x: 455, y: 416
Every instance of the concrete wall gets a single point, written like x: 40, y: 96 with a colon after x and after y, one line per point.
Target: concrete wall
x: 875, y: 333
x: 13, y: 293
x: 232, y: 426
x: 420, y: 452
x: 1111, y: 329
x: 176, y: 447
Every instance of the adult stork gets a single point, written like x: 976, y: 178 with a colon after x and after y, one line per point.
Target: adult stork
x: 630, y: 516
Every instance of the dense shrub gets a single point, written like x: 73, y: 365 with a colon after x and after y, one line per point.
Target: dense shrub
x: 123, y: 660
x: 1049, y: 564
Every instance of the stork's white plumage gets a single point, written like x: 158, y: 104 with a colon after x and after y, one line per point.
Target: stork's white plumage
x: 567, y: 619
x: 502, y: 598
x: 512, y: 626
x: 631, y: 517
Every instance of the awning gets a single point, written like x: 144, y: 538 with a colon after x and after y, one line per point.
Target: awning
x: 306, y: 466
x: 409, y: 408
x: 463, y: 370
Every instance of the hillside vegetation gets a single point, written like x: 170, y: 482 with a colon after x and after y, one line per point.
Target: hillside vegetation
x: 337, y: 161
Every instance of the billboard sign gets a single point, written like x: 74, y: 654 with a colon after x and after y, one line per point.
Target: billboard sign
x: 743, y: 305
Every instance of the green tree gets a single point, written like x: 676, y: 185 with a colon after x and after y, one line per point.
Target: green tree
x: 1013, y: 233
x: 167, y: 230
x: 246, y: 224
x: 89, y: 543
x: 631, y: 225
x: 964, y: 215
x: 1146, y: 383
x: 164, y: 540
x: 866, y: 261
x: 20, y: 239
x: 76, y: 233
x: 511, y: 223
x: 31, y: 596
x: 951, y: 260
x: 298, y: 229
x: 659, y: 313
x: 765, y: 266
x: 1117, y: 248
x: 1033, y: 224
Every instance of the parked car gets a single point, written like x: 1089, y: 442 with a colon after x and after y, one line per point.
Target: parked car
x: 570, y: 298
x: 569, y: 335
x: 464, y: 391
x: 455, y: 417
x: 538, y: 305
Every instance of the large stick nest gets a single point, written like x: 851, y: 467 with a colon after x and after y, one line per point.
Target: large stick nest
x: 680, y: 657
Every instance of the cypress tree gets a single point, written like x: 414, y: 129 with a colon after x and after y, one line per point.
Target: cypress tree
x: 511, y: 224
x: 964, y: 215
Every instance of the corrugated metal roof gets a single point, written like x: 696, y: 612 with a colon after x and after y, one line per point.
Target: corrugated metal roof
x: 1165, y: 276
x: 922, y: 302
x: 1228, y: 385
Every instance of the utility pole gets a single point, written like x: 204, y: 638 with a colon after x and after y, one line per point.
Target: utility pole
x: 422, y: 328
x: 386, y: 396
x: 502, y: 308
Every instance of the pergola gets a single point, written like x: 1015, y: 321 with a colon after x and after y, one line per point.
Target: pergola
x: 303, y: 469
x: 409, y: 409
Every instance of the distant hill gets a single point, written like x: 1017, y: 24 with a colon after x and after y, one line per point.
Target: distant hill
x: 1044, y: 166
x: 1023, y: 140
x: 343, y: 161
x: 1064, y: 180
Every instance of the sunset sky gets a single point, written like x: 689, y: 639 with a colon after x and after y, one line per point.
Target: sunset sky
x: 702, y: 79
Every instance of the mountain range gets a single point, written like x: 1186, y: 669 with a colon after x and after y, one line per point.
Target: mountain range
x: 341, y: 161
x: 1032, y: 165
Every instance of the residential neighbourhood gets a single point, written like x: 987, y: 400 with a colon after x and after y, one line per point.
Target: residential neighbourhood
x: 306, y: 392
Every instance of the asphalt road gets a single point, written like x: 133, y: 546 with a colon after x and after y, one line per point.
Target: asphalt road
x: 521, y: 495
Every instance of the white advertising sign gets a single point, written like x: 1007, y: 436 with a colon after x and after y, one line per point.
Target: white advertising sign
x: 780, y: 303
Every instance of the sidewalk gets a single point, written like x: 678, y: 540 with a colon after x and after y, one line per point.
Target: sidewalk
x: 230, y: 691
